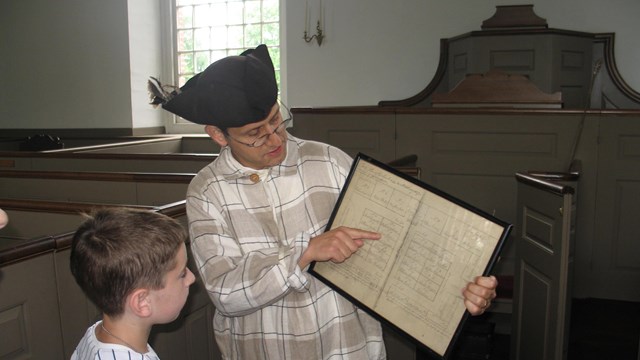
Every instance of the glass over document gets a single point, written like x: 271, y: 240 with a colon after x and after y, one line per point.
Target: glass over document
x: 432, y: 245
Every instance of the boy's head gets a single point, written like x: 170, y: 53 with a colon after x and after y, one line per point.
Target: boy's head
x: 118, y: 251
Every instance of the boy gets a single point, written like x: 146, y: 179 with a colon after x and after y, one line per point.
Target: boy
x: 132, y: 264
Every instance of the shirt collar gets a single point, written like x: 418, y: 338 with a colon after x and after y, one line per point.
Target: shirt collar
x: 228, y: 167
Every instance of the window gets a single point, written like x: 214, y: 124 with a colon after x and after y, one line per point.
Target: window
x: 208, y: 30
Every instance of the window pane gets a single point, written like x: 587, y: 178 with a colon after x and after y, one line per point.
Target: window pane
x: 185, y: 63
x: 219, y: 14
x: 275, y: 56
x: 184, y: 17
x: 270, y: 10
x: 201, y: 38
x: 252, y: 12
x: 235, y: 13
x: 235, y: 36
x: 202, y: 16
x: 202, y: 61
x: 219, y: 37
x: 185, y: 40
x: 183, y: 79
x: 270, y: 34
x: 252, y: 35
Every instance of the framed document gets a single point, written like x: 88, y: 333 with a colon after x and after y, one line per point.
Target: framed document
x: 432, y: 244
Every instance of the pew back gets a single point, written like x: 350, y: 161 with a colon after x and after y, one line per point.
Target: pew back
x: 107, y: 188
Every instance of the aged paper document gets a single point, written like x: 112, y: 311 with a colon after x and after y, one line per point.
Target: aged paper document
x: 431, y: 246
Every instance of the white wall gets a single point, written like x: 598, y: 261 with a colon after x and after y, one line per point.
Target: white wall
x: 78, y: 64
x: 84, y: 64
x: 64, y: 64
x: 146, y: 49
x: 374, y: 48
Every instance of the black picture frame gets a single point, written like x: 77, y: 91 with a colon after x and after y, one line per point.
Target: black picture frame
x: 349, y: 284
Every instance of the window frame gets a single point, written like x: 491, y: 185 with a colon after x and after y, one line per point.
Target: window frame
x: 173, y: 124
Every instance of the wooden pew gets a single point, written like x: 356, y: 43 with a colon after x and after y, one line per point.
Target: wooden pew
x: 165, y: 144
x: 44, y: 313
x: 99, y: 187
x: 105, y: 162
x: 161, y: 154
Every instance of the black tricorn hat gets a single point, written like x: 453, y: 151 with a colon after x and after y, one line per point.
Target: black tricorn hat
x: 231, y: 92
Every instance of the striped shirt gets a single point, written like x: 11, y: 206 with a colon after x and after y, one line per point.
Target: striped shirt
x: 247, y: 239
x: 90, y: 348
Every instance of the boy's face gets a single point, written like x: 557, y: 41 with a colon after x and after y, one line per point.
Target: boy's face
x: 169, y: 300
x: 271, y: 153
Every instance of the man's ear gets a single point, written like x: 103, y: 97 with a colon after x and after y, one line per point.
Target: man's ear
x: 139, y: 303
x: 216, y: 134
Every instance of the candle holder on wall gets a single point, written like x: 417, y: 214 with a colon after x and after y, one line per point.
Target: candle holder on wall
x: 318, y: 35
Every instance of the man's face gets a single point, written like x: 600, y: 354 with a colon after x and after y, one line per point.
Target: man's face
x: 240, y: 139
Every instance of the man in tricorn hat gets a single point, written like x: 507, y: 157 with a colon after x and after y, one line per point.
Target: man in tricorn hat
x: 257, y: 216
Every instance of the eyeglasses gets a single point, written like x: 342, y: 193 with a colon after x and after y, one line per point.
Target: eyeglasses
x: 261, y: 139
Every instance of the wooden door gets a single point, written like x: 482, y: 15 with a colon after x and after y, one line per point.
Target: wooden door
x: 542, y: 282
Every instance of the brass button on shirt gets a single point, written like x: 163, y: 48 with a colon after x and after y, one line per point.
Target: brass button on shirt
x: 247, y: 237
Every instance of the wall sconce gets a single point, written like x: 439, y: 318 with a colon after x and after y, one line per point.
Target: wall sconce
x: 318, y: 35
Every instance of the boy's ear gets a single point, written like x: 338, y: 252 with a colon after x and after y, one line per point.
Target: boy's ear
x: 216, y: 134
x: 139, y: 303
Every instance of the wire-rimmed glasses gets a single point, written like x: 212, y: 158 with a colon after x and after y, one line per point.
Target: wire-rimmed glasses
x: 285, y: 114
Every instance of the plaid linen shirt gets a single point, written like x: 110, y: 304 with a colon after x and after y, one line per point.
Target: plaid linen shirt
x: 247, y: 239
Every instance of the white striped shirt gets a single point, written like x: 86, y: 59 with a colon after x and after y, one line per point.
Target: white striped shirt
x: 90, y: 348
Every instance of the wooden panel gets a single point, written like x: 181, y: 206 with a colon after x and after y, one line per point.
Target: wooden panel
x: 553, y: 60
x: 372, y: 134
x: 199, y: 144
x: 77, y: 312
x: 131, y: 192
x: 398, y: 346
x: 492, y: 143
x: 531, y: 333
x: 159, y: 194
x: 154, y: 163
x: 573, y: 60
x: 460, y: 63
x: 513, y: 60
x: 616, y: 226
x: 68, y: 190
x: 543, y: 283
x: 21, y: 224
x: 184, y: 338
x: 131, y: 164
x: 29, y: 319
x: 475, y: 157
